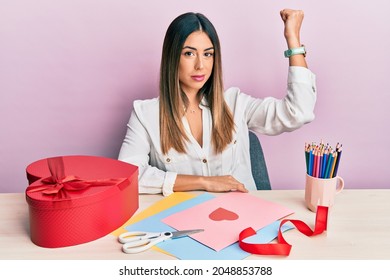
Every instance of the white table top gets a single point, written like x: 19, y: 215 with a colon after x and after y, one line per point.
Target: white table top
x: 358, y: 229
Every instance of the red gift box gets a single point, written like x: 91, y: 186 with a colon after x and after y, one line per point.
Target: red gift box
x: 77, y: 199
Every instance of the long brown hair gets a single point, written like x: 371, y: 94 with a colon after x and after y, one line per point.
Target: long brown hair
x: 172, y: 132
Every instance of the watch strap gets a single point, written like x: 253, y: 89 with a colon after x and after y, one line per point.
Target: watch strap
x: 294, y: 51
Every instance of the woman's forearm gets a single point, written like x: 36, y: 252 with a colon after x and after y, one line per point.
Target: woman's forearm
x: 207, y: 183
x: 292, y: 25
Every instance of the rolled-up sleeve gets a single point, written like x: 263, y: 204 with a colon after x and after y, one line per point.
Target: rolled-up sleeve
x: 273, y: 116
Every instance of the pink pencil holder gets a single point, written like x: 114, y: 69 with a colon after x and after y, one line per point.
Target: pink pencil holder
x: 320, y: 191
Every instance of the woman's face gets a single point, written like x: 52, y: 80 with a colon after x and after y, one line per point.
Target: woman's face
x: 196, y: 62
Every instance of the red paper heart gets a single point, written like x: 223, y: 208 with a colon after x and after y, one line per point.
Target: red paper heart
x: 221, y: 214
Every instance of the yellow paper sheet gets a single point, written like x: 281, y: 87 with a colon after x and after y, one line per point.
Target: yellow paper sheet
x: 161, y: 205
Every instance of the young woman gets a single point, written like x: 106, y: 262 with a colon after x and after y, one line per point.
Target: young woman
x: 195, y: 135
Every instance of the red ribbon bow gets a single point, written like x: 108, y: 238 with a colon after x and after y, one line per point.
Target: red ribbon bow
x: 58, y: 184
x: 283, y: 248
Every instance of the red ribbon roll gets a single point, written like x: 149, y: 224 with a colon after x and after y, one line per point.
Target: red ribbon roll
x: 58, y: 184
x: 282, y: 248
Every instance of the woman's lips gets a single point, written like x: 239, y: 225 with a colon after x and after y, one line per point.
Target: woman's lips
x: 198, y: 78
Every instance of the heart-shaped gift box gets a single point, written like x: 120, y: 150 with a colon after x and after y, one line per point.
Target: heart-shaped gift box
x: 77, y: 199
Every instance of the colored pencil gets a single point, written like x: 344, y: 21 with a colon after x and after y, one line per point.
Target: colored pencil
x: 311, y: 159
x: 325, y: 158
x: 307, y: 155
x: 329, y: 164
x: 315, y: 174
x: 339, y: 151
x: 333, y: 165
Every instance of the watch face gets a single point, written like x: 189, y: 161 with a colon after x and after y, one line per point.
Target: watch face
x: 289, y: 52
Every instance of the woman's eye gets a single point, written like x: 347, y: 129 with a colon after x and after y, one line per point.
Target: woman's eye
x: 188, y: 54
x: 208, y: 54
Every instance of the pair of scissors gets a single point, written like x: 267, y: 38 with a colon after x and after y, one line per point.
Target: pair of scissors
x: 138, y: 241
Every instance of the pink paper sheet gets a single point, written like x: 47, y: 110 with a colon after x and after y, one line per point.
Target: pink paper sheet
x: 225, y: 216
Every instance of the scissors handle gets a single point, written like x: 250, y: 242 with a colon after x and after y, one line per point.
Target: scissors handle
x: 136, y: 235
x: 135, y: 245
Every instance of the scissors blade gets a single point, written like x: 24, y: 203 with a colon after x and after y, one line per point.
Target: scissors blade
x: 182, y: 233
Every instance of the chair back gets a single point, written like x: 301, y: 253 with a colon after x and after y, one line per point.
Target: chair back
x: 259, y: 167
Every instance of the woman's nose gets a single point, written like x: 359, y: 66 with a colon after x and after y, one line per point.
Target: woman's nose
x: 199, y: 63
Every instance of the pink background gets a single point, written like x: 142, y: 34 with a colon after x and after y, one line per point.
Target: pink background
x: 69, y: 71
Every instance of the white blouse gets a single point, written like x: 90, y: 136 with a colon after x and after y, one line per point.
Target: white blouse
x: 270, y: 116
